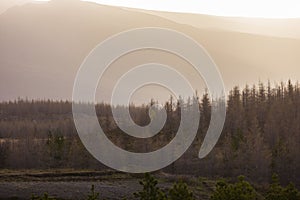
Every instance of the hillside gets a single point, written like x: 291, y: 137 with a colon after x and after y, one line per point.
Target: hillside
x: 43, y: 45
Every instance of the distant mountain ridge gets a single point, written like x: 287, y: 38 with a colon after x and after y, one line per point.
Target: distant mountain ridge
x: 43, y: 45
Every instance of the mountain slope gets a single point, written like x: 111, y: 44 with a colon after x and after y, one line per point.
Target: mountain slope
x: 43, y: 45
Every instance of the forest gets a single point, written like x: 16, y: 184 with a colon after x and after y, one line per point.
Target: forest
x: 261, y: 135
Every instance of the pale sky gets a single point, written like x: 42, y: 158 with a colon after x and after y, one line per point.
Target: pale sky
x: 236, y: 8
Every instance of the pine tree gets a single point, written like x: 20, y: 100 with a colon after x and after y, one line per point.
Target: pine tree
x: 150, y: 190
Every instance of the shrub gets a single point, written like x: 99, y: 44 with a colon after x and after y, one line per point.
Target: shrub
x: 44, y: 197
x: 276, y: 191
x: 180, y: 191
x: 242, y: 190
x: 291, y: 192
x: 93, y: 195
x: 150, y: 190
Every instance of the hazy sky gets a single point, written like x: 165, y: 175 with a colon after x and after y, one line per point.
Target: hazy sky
x: 245, y: 8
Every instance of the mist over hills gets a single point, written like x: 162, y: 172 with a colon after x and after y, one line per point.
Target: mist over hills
x: 43, y: 46
x: 285, y: 28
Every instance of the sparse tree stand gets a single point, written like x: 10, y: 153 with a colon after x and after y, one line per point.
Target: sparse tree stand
x: 260, y: 135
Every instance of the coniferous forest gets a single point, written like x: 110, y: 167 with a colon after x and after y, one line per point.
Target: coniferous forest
x: 260, y: 136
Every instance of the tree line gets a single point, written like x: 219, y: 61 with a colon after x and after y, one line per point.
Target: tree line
x: 261, y: 135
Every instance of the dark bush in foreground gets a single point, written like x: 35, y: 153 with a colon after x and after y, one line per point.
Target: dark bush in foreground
x: 242, y: 190
x: 180, y: 191
x: 150, y: 190
x: 276, y: 191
